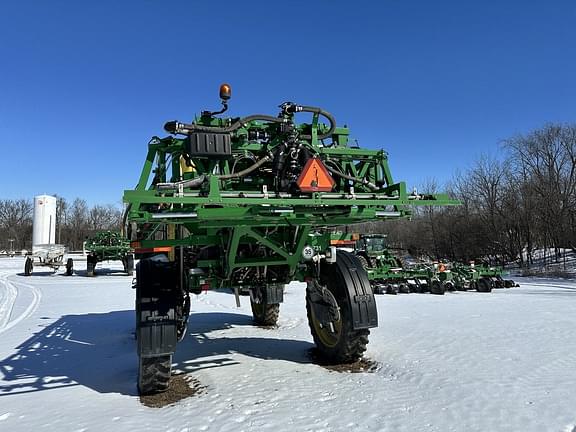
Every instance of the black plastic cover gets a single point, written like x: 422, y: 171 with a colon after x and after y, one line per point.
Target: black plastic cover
x: 209, y: 145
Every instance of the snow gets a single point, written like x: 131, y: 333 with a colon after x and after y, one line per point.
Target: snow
x: 466, y: 361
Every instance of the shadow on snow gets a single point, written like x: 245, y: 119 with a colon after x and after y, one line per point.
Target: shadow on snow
x: 99, y: 351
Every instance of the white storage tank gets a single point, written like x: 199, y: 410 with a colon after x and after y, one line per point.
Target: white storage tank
x: 44, y: 225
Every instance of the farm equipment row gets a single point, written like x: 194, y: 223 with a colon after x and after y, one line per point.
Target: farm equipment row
x: 388, y: 275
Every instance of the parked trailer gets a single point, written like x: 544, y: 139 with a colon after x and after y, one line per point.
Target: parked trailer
x: 48, y: 255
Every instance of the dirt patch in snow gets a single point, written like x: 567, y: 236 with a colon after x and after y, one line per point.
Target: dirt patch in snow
x: 362, y: 365
x: 180, y: 387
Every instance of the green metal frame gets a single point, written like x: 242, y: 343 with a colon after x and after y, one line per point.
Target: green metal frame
x: 235, y: 214
x: 108, y: 245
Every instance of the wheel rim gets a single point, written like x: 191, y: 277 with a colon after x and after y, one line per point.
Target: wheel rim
x: 328, y: 338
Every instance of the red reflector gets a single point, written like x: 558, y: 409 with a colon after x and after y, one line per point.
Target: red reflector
x: 315, y: 177
x: 153, y: 249
x: 342, y: 242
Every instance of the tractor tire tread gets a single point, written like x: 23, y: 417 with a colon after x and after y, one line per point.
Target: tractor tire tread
x: 154, y: 374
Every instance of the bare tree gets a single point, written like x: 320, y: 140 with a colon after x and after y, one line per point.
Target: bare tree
x: 16, y: 221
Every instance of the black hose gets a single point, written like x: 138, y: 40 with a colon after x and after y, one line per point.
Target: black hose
x: 185, y: 183
x: 175, y: 127
x: 323, y: 113
x: 351, y: 178
x: 193, y: 183
x: 245, y: 171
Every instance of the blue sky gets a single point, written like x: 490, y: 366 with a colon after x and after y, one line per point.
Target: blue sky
x: 84, y: 85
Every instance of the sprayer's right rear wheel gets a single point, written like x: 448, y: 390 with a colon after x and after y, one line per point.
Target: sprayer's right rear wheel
x: 340, y: 343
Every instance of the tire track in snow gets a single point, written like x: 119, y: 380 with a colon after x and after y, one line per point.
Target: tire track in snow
x: 10, y: 295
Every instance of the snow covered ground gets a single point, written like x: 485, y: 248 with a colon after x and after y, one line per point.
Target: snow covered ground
x: 503, y: 361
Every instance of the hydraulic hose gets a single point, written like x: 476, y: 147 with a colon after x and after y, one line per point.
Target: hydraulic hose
x: 245, y: 171
x: 194, y: 183
x: 351, y: 178
x: 175, y: 127
x: 185, y: 183
x: 323, y: 113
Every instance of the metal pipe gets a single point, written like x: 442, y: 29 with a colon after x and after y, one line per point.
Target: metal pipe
x: 351, y: 178
x: 174, y: 215
x: 388, y: 214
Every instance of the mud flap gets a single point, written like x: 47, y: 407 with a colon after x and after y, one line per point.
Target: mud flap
x: 156, y: 307
x: 274, y: 293
x: 361, y: 298
x: 157, y: 330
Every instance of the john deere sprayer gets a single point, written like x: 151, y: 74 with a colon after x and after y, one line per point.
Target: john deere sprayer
x: 243, y: 203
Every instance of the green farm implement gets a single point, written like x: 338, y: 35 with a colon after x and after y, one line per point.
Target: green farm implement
x: 245, y: 203
x: 387, y: 274
x: 108, y: 246
x: 493, y: 276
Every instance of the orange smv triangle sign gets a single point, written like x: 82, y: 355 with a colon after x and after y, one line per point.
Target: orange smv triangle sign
x: 315, y: 177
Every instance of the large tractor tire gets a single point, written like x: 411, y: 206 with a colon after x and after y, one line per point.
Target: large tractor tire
x: 437, y: 288
x: 154, y: 374
x: 265, y: 314
x: 91, y: 266
x: 422, y: 286
x: 338, y: 342
x: 484, y: 285
x: 404, y: 288
x: 69, y: 267
x: 128, y: 262
x: 28, y: 266
x: 363, y: 262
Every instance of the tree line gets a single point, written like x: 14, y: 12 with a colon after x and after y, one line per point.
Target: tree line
x: 511, y: 206
x: 75, y: 221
